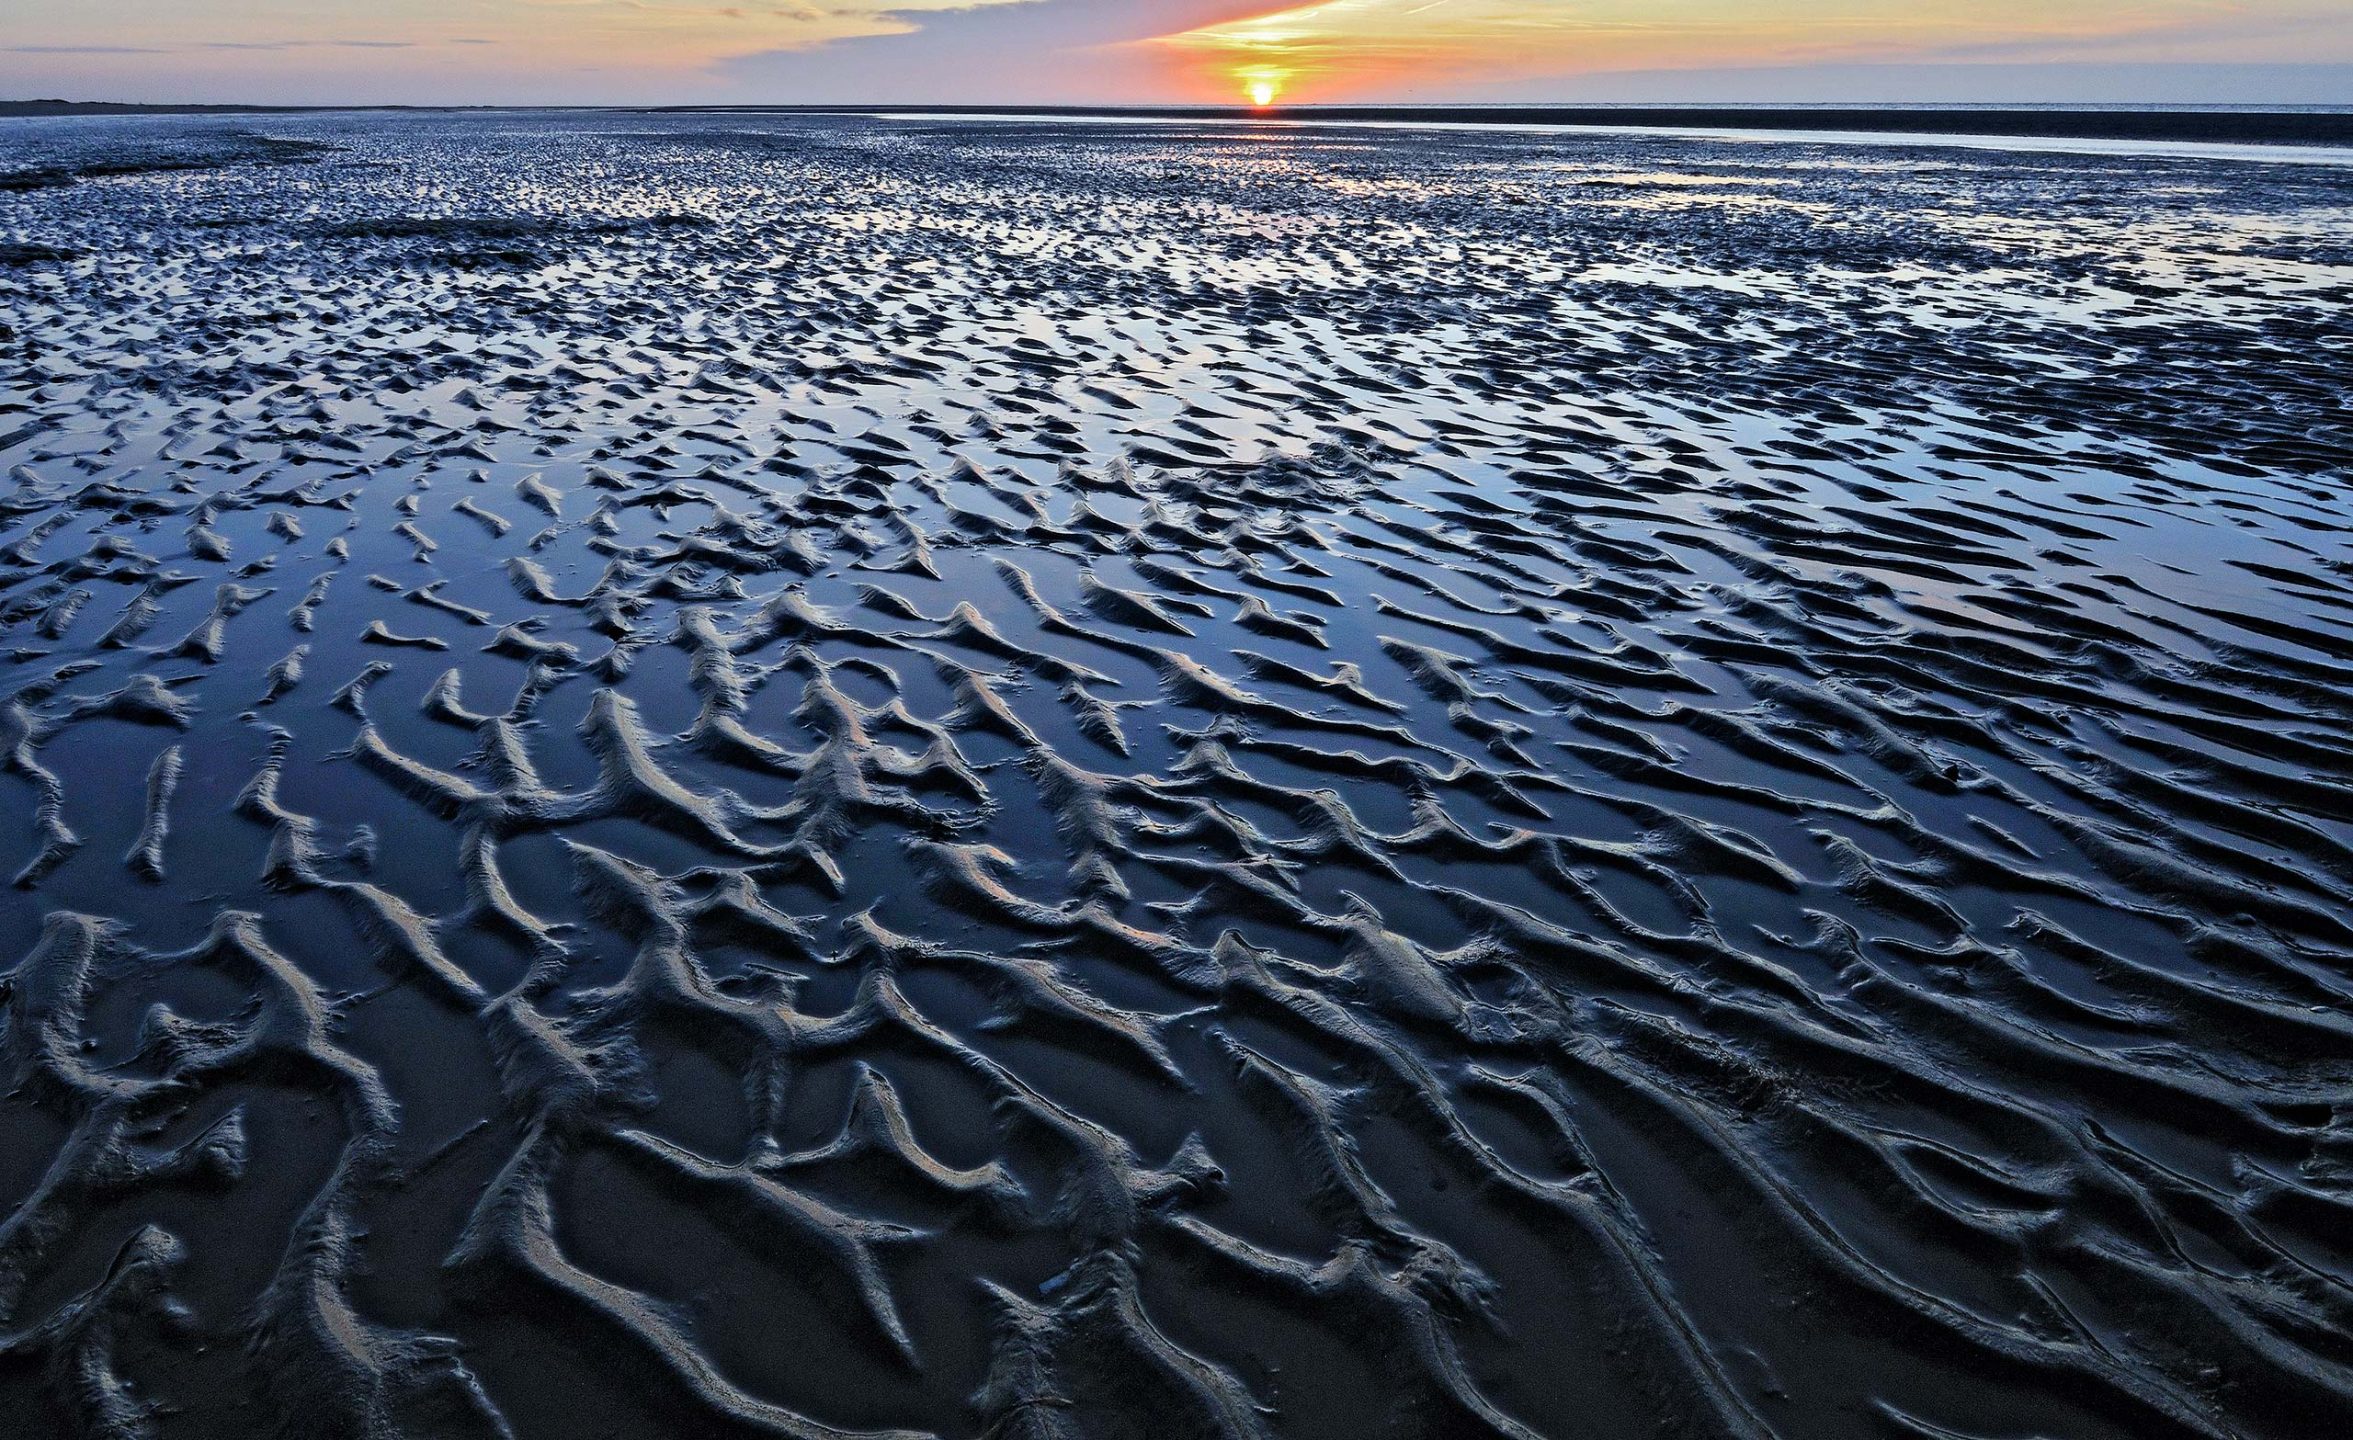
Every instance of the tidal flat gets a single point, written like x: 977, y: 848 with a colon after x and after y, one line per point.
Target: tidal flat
x: 742, y: 775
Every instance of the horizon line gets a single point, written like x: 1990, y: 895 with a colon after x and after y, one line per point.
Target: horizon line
x: 2276, y: 123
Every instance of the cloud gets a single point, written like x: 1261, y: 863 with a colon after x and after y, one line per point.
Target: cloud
x: 1046, y: 51
x: 84, y: 50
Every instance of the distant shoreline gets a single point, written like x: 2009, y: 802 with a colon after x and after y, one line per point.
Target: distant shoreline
x: 2250, y: 126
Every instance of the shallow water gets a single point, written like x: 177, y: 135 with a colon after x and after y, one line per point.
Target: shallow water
x: 752, y: 775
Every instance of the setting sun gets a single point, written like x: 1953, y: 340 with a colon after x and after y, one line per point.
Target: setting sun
x: 1262, y: 83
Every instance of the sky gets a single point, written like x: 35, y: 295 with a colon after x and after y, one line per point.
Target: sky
x: 1144, y: 51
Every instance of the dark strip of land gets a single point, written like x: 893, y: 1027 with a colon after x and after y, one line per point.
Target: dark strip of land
x: 2240, y: 126
x: 42, y: 108
x: 2254, y: 127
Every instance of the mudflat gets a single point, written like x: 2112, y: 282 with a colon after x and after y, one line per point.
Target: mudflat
x: 785, y: 775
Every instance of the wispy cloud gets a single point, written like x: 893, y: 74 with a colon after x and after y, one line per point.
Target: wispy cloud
x: 85, y: 49
x: 302, y: 45
x: 681, y: 36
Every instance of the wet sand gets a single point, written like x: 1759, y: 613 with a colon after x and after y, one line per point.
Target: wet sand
x: 778, y: 775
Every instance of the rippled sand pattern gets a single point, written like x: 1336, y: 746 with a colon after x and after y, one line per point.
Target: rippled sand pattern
x: 711, y: 777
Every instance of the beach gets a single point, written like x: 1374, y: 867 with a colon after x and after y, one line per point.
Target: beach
x: 790, y: 774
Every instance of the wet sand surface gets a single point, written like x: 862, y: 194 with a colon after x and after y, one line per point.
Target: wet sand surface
x: 786, y: 776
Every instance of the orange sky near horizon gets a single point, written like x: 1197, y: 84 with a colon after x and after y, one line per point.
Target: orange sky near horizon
x: 1342, y: 49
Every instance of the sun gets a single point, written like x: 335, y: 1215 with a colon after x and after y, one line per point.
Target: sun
x: 1262, y: 83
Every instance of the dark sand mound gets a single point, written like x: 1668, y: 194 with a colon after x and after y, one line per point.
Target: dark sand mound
x: 1051, y: 781
x: 49, y: 157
